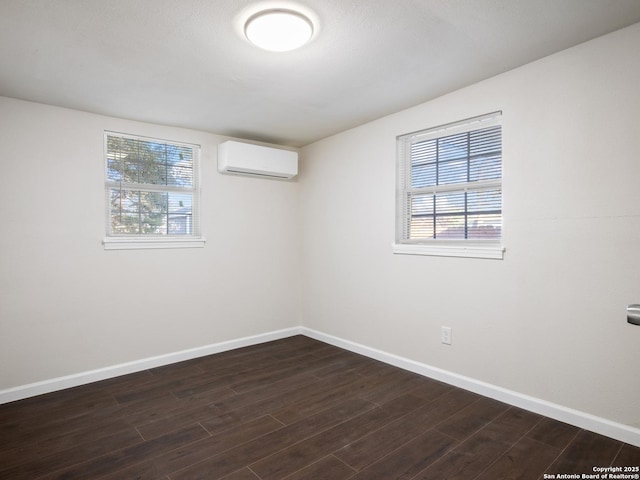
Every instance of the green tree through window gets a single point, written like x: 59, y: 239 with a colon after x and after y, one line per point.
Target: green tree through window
x: 150, y: 187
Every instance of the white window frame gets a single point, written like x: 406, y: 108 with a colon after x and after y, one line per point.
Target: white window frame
x: 492, y: 249
x: 114, y: 241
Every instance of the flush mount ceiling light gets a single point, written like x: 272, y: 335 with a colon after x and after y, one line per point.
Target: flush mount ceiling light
x: 278, y: 30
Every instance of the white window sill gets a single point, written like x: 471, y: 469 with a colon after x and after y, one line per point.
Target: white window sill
x: 469, y: 251
x: 140, y: 243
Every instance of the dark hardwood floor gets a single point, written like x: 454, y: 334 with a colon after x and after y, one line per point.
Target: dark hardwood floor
x: 294, y: 409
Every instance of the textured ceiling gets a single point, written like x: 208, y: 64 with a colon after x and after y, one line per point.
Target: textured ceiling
x: 184, y: 63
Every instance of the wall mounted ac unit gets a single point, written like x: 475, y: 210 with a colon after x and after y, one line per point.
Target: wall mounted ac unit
x: 256, y: 160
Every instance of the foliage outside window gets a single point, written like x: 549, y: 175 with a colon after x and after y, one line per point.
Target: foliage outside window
x: 449, y: 192
x: 151, y: 192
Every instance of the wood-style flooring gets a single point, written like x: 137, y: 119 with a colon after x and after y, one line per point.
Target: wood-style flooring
x: 294, y: 409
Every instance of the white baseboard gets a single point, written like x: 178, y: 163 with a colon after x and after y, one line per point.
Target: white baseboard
x: 618, y: 431
x: 82, y: 378
x: 624, y: 433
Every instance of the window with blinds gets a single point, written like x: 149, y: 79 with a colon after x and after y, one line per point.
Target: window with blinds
x: 450, y: 183
x: 151, y: 188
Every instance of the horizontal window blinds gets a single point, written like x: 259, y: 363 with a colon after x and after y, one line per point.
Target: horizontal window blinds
x: 151, y: 187
x: 450, y: 182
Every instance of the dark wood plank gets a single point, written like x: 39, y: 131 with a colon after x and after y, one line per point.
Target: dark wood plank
x: 221, y: 421
x: 379, y: 443
x: 527, y: 459
x: 327, y: 468
x: 342, y: 362
x: 629, y: 456
x: 176, y: 419
x: 58, y: 444
x: 293, y: 409
x: 283, y: 370
x: 272, y: 399
x: 587, y: 450
x: 53, y: 414
x: 255, y: 450
x: 39, y: 462
x: 410, y: 459
x: 431, y: 389
x: 554, y: 433
x: 184, y: 456
x: 393, y: 387
x: 334, y: 396
x: 254, y: 374
x: 112, y: 462
x: 473, y: 456
x: 470, y: 419
x: 307, y: 452
x: 244, y: 474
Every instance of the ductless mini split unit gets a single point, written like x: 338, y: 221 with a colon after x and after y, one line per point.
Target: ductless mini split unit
x: 256, y: 160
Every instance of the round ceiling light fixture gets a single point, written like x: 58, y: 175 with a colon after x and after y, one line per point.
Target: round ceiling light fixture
x: 278, y: 30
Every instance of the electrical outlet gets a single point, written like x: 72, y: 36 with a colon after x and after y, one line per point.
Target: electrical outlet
x: 445, y: 335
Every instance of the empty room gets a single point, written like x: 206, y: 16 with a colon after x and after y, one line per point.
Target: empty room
x: 319, y: 239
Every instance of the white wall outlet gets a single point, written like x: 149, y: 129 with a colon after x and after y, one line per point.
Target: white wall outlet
x: 445, y: 335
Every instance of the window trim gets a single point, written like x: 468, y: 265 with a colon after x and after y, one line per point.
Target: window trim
x: 473, y: 248
x: 448, y: 250
x: 142, y: 243
x: 135, y: 242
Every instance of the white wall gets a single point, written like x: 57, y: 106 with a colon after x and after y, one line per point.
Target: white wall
x: 547, y: 321
x: 68, y: 306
